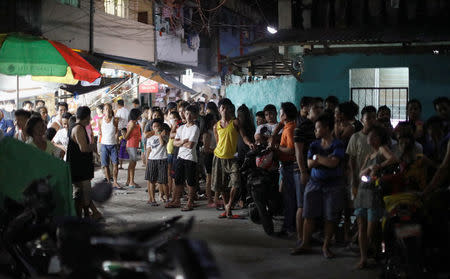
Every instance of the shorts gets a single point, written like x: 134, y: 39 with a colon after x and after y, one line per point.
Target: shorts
x: 208, y: 160
x: 132, y: 152
x: 108, y: 152
x: 82, y: 192
x: 323, y: 200
x: 225, y: 174
x: 371, y: 214
x: 156, y: 171
x: 185, y: 172
x: 300, y: 194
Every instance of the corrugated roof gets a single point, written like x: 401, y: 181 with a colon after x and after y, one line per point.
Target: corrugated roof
x: 357, y: 36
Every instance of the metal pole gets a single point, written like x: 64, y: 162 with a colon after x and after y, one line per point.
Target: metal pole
x: 91, y: 27
x: 17, y: 93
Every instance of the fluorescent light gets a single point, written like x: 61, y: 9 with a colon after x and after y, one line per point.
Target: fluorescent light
x: 199, y: 80
x: 271, y: 30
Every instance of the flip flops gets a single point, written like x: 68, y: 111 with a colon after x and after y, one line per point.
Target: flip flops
x: 153, y: 203
x: 187, y: 208
x: 236, y: 216
x: 223, y: 215
x: 171, y: 205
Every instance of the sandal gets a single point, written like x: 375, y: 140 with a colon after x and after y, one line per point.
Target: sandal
x: 223, y: 215
x: 236, y: 216
x: 172, y: 205
x: 187, y: 208
x: 153, y: 203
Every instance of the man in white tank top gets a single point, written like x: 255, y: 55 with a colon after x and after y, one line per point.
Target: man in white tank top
x: 108, y: 133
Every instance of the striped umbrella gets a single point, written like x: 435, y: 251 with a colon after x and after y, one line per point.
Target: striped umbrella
x: 43, y: 59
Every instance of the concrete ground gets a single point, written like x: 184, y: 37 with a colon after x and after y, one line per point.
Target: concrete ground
x: 240, y: 247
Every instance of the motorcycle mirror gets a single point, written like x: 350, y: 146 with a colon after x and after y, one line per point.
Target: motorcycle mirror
x: 101, y: 192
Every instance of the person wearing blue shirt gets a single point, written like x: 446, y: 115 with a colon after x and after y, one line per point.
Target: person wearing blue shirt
x: 323, y: 195
x: 6, y: 125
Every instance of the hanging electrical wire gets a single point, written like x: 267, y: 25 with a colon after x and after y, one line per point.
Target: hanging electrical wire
x: 220, y: 5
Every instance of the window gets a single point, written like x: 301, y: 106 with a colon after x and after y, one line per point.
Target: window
x: 117, y: 7
x: 379, y: 87
x: 74, y: 3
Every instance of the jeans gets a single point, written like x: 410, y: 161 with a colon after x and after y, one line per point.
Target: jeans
x: 291, y: 181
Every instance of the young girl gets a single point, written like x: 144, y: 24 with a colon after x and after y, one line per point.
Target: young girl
x: 209, y: 144
x: 172, y: 152
x: 123, y: 155
x: 368, y: 201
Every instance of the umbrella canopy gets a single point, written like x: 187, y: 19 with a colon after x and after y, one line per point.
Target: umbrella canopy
x: 30, y: 55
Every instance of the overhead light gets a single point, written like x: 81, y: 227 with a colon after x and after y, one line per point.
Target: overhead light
x: 271, y: 30
x: 199, y: 80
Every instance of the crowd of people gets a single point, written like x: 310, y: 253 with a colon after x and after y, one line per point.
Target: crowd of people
x: 321, y: 152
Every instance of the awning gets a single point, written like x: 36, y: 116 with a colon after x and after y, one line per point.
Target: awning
x: 78, y: 89
x: 150, y: 72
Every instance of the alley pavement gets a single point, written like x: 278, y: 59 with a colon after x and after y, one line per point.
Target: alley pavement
x: 240, y: 247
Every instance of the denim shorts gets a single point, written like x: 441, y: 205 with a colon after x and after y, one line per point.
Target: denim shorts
x: 108, y: 152
x: 371, y: 214
x: 322, y: 199
x: 132, y: 152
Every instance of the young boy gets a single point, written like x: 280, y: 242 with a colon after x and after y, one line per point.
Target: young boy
x: 185, y: 170
x: 270, y: 113
x: 156, y: 171
x: 260, y: 118
x: 289, y: 167
x: 358, y: 148
x: 303, y: 137
x: 323, y: 195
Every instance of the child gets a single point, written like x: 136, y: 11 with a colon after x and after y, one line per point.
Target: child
x: 172, y: 151
x: 323, y: 195
x: 368, y: 201
x: 186, y: 139
x: 209, y: 144
x: 123, y: 155
x: 156, y: 154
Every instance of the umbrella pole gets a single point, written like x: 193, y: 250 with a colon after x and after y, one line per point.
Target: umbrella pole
x: 17, y: 93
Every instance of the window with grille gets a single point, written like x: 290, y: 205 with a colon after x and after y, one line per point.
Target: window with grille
x: 379, y: 87
x: 118, y: 8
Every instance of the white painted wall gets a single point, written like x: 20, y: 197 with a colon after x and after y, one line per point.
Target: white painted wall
x: 171, y: 48
x: 112, y: 35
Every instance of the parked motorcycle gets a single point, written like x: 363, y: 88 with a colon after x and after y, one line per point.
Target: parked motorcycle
x: 261, y: 170
x: 39, y: 245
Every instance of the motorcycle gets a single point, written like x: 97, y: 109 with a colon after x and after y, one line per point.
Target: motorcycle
x: 261, y: 171
x: 39, y: 245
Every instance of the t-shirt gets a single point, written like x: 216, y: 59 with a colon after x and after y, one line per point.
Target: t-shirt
x: 50, y: 149
x: 336, y: 149
x: 287, y: 140
x: 158, y: 152
x: 304, y: 133
x: 192, y: 133
x: 122, y: 114
x: 359, y: 148
x: 266, y: 132
x: 61, y: 137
